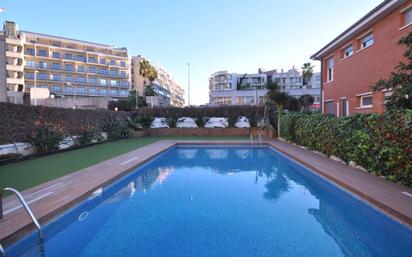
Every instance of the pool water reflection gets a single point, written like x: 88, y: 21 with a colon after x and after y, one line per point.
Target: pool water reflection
x: 222, y: 201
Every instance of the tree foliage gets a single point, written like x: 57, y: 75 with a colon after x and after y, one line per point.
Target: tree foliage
x: 307, y: 72
x: 399, y: 83
x: 305, y: 101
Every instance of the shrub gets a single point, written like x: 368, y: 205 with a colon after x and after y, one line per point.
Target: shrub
x: 201, y: 121
x: 140, y: 120
x: 88, y: 136
x: 45, y: 138
x: 381, y: 143
x: 114, y: 127
x: 10, y: 156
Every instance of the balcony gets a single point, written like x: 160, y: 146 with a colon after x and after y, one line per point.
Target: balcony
x: 15, y: 81
x: 14, y: 41
x: 14, y: 54
x: 14, y: 67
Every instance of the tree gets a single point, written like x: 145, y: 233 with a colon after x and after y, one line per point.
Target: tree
x: 307, y: 73
x: 399, y: 83
x: 305, y: 101
x: 240, y: 81
x: 148, y: 71
x: 128, y: 104
x: 278, y: 98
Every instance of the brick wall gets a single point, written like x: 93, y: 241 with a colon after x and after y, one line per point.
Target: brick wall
x: 18, y: 121
x: 356, y: 74
x: 194, y: 132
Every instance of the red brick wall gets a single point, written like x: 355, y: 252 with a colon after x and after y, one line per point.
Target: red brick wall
x: 194, y: 132
x: 357, y: 73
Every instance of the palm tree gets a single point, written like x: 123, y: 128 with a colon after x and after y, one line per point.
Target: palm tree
x: 147, y: 70
x: 305, y: 101
x: 307, y: 72
x: 278, y: 98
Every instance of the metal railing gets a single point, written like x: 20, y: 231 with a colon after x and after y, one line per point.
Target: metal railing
x: 2, y: 253
x: 33, y: 218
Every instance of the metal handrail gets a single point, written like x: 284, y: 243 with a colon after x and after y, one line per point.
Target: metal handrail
x: 28, y: 210
x: 251, y: 138
x: 2, y: 253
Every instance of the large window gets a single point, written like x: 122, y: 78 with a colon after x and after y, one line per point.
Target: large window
x: 43, y: 65
x: 81, y: 58
x: 329, y: 107
x: 408, y: 17
x: 348, y: 51
x: 31, y: 63
x: 92, y: 91
x: 103, y: 82
x: 56, y: 66
x: 366, y: 101
x: 123, y: 64
x: 80, y: 68
x: 102, y: 92
x: 102, y: 61
x: 92, y: 59
x: 30, y: 51
x: 112, y: 62
x: 30, y: 75
x: 42, y: 52
x: 56, y: 88
x: 56, y: 77
x: 92, y: 80
x: 56, y: 55
x: 68, y: 56
x: 112, y: 82
x: 92, y: 69
x: 330, y: 67
x: 43, y: 76
x: 69, y: 67
x: 69, y: 78
x: 81, y: 79
x: 367, y: 40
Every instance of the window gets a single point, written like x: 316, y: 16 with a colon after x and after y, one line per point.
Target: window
x: 42, y: 76
x: 102, y: 61
x: 42, y: 52
x: 329, y: 107
x: 31, y: 64
x: 113, y: 73
x: 30, y: 75
x: 367, y: 41
x: 56, y: 66
x: 113, y: 92
x: 56, y: 88
x: 102, y: 92
x: 366, y: 101
x: 30, y: 51
x: 69, y: 78
x: 43, y: 65
x: 344, y: 107
x: 80, y: 68
x: 92, y: 59
x: 92, y: 91
x: 123, y: 74
x: 112, y: 62
x: 348, y: 51
x: 81, y: 90
x: 123, y: 64
x: 92, y: 80
x: 92, y: 69
x: 408, y: 17
x: 56, y: 77
x: 68, y: 89
x: 102, y: 82
x: 81, y: 79
x: 68, y: 56
x: 112, y: 82
x: 56, y: 55
x: 103, y: 71
x: 123, y: 92
x: 81, y: 58
x: 69, y: 67
x: 330, y: 66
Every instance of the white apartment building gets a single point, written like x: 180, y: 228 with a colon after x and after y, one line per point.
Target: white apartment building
x: 55, y: 71
x: 246, y: 89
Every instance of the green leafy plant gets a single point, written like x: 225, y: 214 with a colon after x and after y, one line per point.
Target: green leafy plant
x: 45, y: 138
x: 140, y: 120
x: 201, y: 121
x: 88, y: 136
x: 114, y: 127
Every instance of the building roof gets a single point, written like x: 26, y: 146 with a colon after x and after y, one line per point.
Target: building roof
x: 73, y: 40
x: 366, y: 21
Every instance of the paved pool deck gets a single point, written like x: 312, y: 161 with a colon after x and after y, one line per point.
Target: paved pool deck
x: 52, y: 198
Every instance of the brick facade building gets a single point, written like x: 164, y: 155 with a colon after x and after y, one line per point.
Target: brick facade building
x: 366, y: 52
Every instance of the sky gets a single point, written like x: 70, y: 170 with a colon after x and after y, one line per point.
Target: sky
x: 235, y: 35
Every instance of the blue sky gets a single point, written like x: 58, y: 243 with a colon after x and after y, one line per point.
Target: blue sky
x: 238, y: 36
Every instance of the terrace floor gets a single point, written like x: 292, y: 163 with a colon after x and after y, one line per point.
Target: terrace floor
x: 54, y: 196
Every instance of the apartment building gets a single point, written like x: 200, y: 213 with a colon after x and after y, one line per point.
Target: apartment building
x: 249, y: 89
x: 167, y: 92
x: 360, y: 56
x: 62, y: 72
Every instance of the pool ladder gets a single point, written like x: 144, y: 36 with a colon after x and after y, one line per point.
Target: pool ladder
x: 33, y: 218
x: 259, y: 136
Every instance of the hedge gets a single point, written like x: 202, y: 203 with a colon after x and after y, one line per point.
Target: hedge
x: 17, y: 122
x: 381, y: 143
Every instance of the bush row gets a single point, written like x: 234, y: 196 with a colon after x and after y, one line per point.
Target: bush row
x: 381, y: 143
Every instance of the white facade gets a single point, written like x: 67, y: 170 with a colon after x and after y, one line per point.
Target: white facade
x: 248, y: 89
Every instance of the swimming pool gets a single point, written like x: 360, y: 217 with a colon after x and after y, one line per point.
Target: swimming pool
x: 221, y: 201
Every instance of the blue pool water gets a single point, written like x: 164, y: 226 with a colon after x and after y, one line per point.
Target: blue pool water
x: 221, y: 201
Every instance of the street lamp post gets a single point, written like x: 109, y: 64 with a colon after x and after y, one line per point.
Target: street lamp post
x: 188, y: 84
x: 35, y: 87
x: 74, y: 93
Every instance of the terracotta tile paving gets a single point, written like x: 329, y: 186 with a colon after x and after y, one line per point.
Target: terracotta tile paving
x: 51, y: 198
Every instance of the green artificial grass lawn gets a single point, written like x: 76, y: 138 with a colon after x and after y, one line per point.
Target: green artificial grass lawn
x: 30, y: 173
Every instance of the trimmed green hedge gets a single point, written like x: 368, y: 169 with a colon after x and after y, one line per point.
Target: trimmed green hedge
x: 381, y: 143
